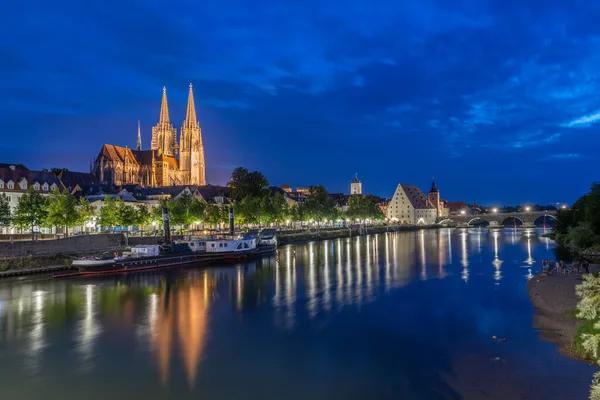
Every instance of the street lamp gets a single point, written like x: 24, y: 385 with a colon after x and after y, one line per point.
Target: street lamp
x: 462, y: 212
x: 495, y: 210
x: 527, y: 208
x: 563, y: 207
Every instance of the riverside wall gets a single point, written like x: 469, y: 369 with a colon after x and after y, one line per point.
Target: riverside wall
x: 73, y: 245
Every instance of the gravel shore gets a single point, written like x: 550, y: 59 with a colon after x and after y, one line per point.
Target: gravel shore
x: 553, y: 299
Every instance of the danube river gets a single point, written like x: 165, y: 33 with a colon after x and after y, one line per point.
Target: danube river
x: 406, y: 315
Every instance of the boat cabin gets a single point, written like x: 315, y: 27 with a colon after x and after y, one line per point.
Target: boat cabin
x: 226, y: 246
x: 195, y: 245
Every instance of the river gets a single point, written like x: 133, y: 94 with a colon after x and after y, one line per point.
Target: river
x: 406, y: 315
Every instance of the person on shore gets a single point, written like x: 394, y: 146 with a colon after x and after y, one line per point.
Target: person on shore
x: 585, y: 266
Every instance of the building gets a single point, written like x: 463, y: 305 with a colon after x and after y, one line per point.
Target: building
x: 167, y: 162
x: 286, y: 188
x: 440, y: 205
x: 411, y: 206
x: 302, y: 191
x: 16, y: 179
x: 355, y: 186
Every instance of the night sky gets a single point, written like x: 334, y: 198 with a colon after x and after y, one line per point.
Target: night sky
x: 498, y: 100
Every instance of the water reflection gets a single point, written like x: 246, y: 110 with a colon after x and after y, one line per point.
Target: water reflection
x: 169, y: 315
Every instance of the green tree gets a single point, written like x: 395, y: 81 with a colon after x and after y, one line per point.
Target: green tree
x: 61, y: 210
x: 5, y: 211
x: 85, y: 211
x: 216, y: 214
x: 318, y: 205
x: 247, y: 210
x: 580, y: 225
x: 247, y: 184
x: 31, y: 210
x: 143, y: 216
x: 107, y: 217
x: 126, y: 214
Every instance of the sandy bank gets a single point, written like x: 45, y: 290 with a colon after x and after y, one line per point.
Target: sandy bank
x: 553, y: 298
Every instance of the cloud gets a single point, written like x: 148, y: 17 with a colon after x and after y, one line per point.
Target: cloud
x: 584, y: 121
x: 565, y: 156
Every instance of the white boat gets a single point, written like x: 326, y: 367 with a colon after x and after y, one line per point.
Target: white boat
x: 196, y: 245
x: 93, y: 262
x: 234, y: 246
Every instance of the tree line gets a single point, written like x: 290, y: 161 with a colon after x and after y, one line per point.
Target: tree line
x: 251, y: 198
x: 579, y: 226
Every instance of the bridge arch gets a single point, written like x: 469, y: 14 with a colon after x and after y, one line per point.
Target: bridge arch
x: 513, y: 220
x: 483, y: 221
x: 445, y: 221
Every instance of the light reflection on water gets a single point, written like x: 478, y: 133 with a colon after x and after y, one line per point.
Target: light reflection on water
x: 187, y: 330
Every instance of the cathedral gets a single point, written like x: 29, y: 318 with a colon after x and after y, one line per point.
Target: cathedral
x: 167, y: 163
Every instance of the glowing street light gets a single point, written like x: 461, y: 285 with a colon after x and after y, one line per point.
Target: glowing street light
x: 527, y: 208
x: 462, y: 212
x: 563, y: 207
x: 494, y: 210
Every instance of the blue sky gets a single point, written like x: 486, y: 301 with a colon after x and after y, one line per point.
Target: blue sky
x: 498, y: 100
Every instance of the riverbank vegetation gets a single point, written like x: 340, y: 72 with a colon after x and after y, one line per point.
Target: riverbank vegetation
x: 587, y: 338
x: 578, y: 228
x: 254, y: 203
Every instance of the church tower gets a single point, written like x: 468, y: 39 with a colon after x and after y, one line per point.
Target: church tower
x: 164, y: 136
x: 434, y: 198
x: 191, y: 160
x: 138, y: 145
x: 355, y: 186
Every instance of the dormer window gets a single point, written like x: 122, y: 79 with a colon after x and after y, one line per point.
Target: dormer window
x: 45, y: 187
x: 36, y: 186
x: 10, y: 185
x: 23, y: 184
x: 1, y: 184
x: 53, y: 187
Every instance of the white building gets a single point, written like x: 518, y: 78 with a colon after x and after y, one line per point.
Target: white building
x: 355, y: 186
x: 411, y: 206
x: 16, y: 179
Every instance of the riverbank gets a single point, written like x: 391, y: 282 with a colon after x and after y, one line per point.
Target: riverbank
x: 316, y: 235
x: 554, y: 299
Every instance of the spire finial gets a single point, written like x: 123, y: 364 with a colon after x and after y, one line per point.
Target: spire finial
x: 138, y: 146
x: 190, y: 115
x: 164, y: 109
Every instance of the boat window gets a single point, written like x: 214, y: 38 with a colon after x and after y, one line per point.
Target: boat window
x: 239, y: 246
x: 245, y: 245
x: 213, y: 245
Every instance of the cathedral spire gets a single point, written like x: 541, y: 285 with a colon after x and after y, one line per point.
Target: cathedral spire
x: 164, y: 109
x: 138, y: 146
x: 190, y: 115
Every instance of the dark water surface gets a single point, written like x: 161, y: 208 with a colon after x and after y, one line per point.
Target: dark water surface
x: 393, y: 316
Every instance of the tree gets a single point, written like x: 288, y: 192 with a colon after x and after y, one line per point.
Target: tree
x: 142, y: 215
x: 247, y: 184
x: 186, y: 210
x: 31, y: 210
x: 318, y: 206
x: 125, y: 213
x: 248, y: 210
x: 61, y: 210
x: 580, y: 225
x: 85, y: 211
x: 107, y: 217
x: 5, y: 211
x: 216, y: 214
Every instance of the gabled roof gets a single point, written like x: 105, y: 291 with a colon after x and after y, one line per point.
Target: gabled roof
x: 79, y: 181
x: 118, y: 153
x: 20, y: 173
x: 416, y: 197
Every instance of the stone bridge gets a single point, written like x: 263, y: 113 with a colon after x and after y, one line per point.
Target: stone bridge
x: 528, y: 219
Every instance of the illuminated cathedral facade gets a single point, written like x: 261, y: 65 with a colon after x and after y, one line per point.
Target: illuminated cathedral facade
x: 168, y: 162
